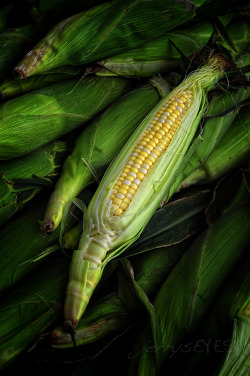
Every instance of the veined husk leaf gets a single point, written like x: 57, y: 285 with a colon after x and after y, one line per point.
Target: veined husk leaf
x: 21, y: 241
x: 23, y: 178
x: 29, y: 309
x: 189, y: 290
x: 231, y: 151
x: 106, y: 235
x: 111, y: 27
x: 95, y: 148
x: 37, y: 118
x: 158, y: 55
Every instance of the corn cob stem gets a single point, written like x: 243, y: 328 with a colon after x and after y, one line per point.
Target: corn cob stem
x: 135, y: 184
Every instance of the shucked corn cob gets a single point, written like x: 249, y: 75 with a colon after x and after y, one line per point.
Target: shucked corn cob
x: 135, y: 184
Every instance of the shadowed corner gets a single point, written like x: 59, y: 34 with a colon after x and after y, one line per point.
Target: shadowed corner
x: 2, y: 96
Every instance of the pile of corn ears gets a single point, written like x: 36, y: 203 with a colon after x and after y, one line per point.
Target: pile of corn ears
x: 124, y: 187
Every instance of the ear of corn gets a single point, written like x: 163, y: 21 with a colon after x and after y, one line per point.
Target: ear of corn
x: 95, y: 147
x: 23, y: 178
x: 120, y: 26
x: 12, y: 44
x: 53, y: 111
x: 135, y: 184
x: 193, y: 284
x: 158, y: 55
x: 232, y: 150
x: 15, y: 87
x: 29, y: 309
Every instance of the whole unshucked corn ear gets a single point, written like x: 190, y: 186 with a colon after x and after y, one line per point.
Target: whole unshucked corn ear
x: 23, y: 178
x: 95, y: 148
x: 14, y: 87
x: 37, y: 118
x: 135, y: 183
x: 12, y: 44
x: 29, y: 309
x: 158, y: 55
x: 110, y: 28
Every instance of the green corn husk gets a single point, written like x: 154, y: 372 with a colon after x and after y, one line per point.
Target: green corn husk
x: 12, y: 44
x: 106, y: 233
x: 216, y: 329
x: 22, y: 246
x: 159, y: 55
x: 39, y: 117
x: 238, y: 358
x: 95, y: 148
x: 23, y: 178
x: 232, y: 150
x: 14, y: 87
x: 189, y: 290
x: 29, y: 309
x: 112, y: 26
x: 163, y: 241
